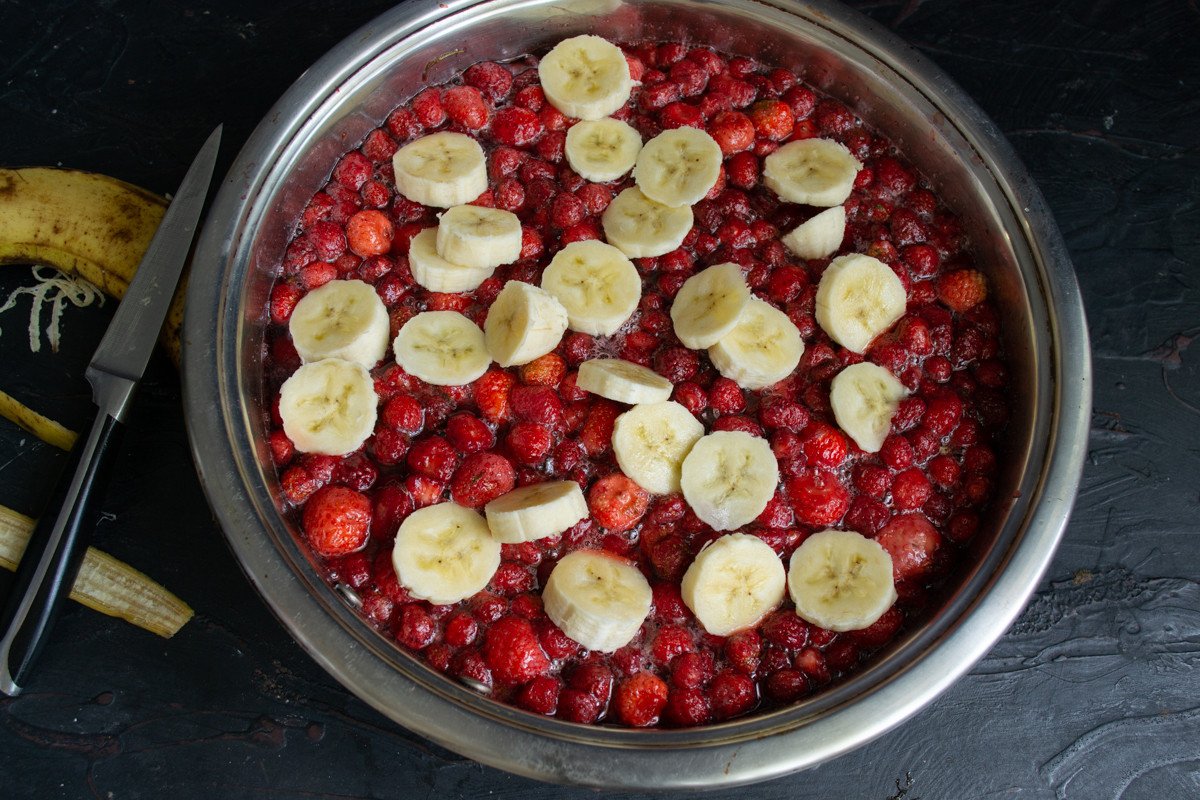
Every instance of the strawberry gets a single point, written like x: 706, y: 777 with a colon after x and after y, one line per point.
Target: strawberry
x: 617, y: 502
x: 640, y: 699
x: 512, y: 651
x: 596, y: 434
x: 491, y: 394
x: 481, y: 478
x: 911, y: 541
x: 962, y: 289
x: 337, y: 521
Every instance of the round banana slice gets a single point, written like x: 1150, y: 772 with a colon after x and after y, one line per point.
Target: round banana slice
x: 623, y: 381
x: 643, y: 228
x: 441, y: 170
x: 597, y: 599
x: 585, y: 77
x: 536, y: 511
x: 819, y: 236
x: 342, y: 319
x: 733, y: 583
x: 678, y: 167
x: 597, y: 285
x: 602, y: 150
x: 651, y: 441
x: 482, y: 238
x: 864, y: 397
x: 709, y: 304
x: 437, y: 274
x: 816, y: 172
x: 524, y: 323
x: 444, y: 553
x: 443, y: 348
x: 841, y: 580
x: 763, y: 348
x: 728, y: 478
x: 328, y: 407
x: 858, y: 298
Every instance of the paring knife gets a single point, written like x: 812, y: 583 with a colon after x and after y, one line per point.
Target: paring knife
x: 55, y: 551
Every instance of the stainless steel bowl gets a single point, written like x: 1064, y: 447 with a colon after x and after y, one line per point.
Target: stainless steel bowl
x: 334, y: 104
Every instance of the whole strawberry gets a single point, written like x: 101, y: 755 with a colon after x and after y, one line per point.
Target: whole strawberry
x: 337, y: 521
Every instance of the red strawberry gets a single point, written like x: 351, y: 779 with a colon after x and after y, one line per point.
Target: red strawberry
x: 617, y: 502
x: 481, y: 478
x: 640, y: 699
x: 513, y: 652
x: 962, y: 289
x: 818, y: 498
x: 337, y: 521
x: 491, y: 394
x: 911, y: 541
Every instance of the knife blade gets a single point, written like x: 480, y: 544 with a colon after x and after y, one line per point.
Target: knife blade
x: 51, y: 560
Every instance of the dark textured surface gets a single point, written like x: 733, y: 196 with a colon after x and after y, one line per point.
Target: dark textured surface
x: 1094, y: 693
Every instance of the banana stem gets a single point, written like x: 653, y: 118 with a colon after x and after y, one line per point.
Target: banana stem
x: 29, y: 420
x: 104, y: 584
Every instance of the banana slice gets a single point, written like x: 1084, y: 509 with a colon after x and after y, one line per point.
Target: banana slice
x: 524, y: 323
x: 733, y: 583
x: 623, y: 381
x: 841, y: 580
x: 858, y: 298
x: 597, y: 285
x: 602, y: 150
x: 763, y: 348
x: 643, y: 228
x: 728, y: 478
x: 437, y: 274
x: 678, y: 167
x: 864, y: 397
x: 328, y: 407
x: 651, y: 440
x: 585, y: 77
x: 819, y: 236
x: 443, y: 348
x: 482, y: 238
x: 709, y: 304
x: 441, y: 170
x: 444, y: 553
x: 342, y: 319
x: 816, y: 172
x: 535, y: 511
x: 597, y: 599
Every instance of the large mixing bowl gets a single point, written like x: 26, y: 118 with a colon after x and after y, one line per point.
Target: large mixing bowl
x: 349, y: 92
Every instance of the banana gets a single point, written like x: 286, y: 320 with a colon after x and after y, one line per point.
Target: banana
x: 841, y: 580
x: 819, y: 236
x: 585, y: 77
x: 815, y: 172
x: 733, y: 583
x: 524, y: 323
x: 437, y: 274
x: 597, y: 599
x: 858, y: 298
x: 763, y: 348
x: 328, y: 407
x: 535, y: 511
x: 342, y: 319
x: 443, y: 348
x: 83, y: 224
x: 709, y: 305
x: 482, y: 238
x: 602, y: 150
x: 864, y: 397
x: 623, y: 381
x: 651, y: 440
x: 597, y: 285
x: 643, y: 228
x: 444, y: 553
x: 678, y: 167
x: 441, y: 170
x: 728, y: 478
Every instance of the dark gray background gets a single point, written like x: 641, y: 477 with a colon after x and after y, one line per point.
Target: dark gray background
x: 1094, y: 694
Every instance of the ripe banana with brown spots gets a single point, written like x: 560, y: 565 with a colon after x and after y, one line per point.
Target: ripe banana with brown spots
x: 84, y: 224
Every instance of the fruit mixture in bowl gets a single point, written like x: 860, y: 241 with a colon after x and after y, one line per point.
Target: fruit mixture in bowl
x: 639, y: 385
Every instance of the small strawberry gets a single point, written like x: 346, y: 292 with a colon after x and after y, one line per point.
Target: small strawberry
x: 640, y: 699
x: 337, y: 521
x: 513, y: 652
x: 962, y: 289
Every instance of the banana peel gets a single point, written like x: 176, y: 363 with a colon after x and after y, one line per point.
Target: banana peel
x: 85, y: 224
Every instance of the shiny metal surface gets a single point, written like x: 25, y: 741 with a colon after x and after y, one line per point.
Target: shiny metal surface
x: 895, y: 89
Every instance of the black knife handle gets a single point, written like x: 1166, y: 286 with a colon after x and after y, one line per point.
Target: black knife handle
x: 51, y: 560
